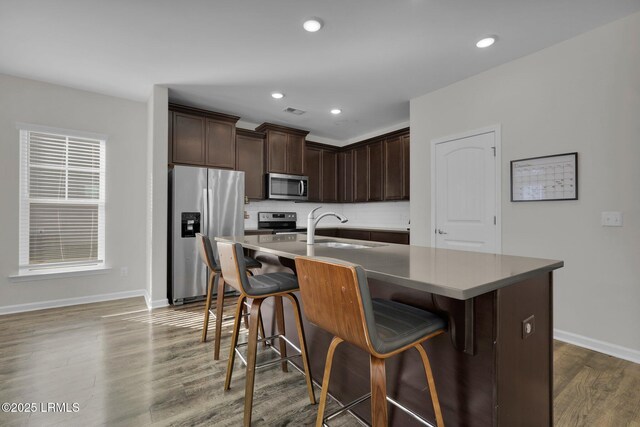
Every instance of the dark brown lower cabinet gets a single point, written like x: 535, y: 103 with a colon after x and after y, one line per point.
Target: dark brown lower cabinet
x: 390, y: 237
x: 355, y: 234
x: 328, y: 232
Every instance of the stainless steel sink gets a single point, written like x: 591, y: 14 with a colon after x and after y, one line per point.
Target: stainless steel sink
x: 344, y: 245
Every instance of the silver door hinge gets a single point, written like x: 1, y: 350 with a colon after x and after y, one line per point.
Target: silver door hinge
x: 495, y: 220
x: 494, y: 151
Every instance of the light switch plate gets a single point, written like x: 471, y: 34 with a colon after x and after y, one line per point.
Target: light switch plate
x: 612, y: 219
x: 528, y: 326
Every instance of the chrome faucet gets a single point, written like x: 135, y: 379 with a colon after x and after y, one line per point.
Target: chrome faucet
x: 312, y: 221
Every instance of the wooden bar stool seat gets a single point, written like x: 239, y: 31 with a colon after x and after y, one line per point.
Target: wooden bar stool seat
x: 259, y: 288
x: 216, y: 281
x: 336, y: 298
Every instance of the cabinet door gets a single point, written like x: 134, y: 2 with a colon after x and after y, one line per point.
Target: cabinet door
x: 313, y: 168
x: 354, y: 234
x: 393, y: 168
x: 221, y: 144
x: 329, y: 176
x: 328, y: 232
x: 295, y: 154
x: 360, y: 174
x: 250, y: 160
x: 345, y: 176
x: 390, y: 237
x: 277, y: 151
x: 376, y: 171
x: 406, y: 170
x: 188, y: 139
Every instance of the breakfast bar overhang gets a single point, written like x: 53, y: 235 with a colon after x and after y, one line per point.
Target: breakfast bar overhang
x: 494, y: 365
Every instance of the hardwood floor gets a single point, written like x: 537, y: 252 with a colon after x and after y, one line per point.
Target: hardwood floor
x: 125, y: 365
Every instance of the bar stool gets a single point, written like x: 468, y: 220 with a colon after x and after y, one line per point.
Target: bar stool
x: 336, y: 297
x: 259, y: 288
x: 215, y: 279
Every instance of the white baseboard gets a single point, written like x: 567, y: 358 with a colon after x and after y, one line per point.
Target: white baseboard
x: 20, y: 308
x: 600, y: 346
x: 151, y: 304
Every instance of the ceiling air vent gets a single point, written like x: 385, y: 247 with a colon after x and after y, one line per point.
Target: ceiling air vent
x: 294, y: 111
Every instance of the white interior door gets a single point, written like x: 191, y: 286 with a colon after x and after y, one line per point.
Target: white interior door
x: 466, y: 198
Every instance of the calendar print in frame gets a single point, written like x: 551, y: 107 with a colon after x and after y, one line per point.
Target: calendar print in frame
x: 545, y: 178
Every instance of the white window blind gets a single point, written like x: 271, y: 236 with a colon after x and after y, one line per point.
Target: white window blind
x: 62, y: 201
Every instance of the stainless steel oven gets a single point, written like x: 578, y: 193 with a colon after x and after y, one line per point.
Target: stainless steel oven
x: 287, y: 187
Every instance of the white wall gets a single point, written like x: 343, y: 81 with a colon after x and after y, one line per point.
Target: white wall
x: 123, y: 122
x: 157, y: 197
x: 378, y: 214
x: 581, y: 95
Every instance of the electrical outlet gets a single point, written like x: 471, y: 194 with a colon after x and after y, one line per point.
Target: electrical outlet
x: 124, y: 271
x: 528, y: 326
x: 612, y: 219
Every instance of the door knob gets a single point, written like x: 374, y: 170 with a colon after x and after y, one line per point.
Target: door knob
x: 441, y: 232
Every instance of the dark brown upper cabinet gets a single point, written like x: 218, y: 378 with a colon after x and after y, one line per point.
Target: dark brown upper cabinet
x: 284, y: 149
x: 313, y: 169
x: 406, y: 168
x: 345, y: 176
x: 394, y: 166
x: 221, y: 143
x: 329, y: 176
x: 361, y: 174
x: 376, y: 171
x: 321, y: 166
x: 201, y: 137
x: 250, y: 160
x: 188, y: 139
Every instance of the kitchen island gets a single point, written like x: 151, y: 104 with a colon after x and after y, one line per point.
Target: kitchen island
x: 492, y: 367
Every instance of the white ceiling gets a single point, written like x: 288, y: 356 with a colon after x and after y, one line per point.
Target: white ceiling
x: 370, y: 59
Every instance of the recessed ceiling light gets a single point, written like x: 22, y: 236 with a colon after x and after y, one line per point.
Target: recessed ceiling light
x: 277, y: 95
x: 312, y: 24
x: 486, y: 42
x: 336, y: 111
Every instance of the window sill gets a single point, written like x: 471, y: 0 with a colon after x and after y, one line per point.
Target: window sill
x: 59, y: 273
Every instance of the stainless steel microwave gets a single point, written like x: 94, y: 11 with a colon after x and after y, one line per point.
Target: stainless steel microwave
x: 287, y: 187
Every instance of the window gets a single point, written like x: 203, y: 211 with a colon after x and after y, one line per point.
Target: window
x: 61, y: 199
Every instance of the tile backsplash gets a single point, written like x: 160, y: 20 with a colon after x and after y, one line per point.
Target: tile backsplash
x: 372, y: 214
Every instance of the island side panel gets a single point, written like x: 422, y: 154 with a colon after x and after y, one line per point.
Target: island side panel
x: 465, y: 383
x: 525, y: 364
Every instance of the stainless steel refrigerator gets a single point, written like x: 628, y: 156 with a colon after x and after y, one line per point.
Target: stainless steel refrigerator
x: 207, y: 201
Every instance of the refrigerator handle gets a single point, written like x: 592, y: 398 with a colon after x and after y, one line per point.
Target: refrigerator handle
x: 205, y: 212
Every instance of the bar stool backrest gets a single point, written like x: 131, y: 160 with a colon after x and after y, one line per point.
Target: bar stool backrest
x: 335, y: 296
x: 205, y: 250
x: 233, y: 266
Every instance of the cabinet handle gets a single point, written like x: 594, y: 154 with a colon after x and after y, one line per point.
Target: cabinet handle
x: 441, y: 232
